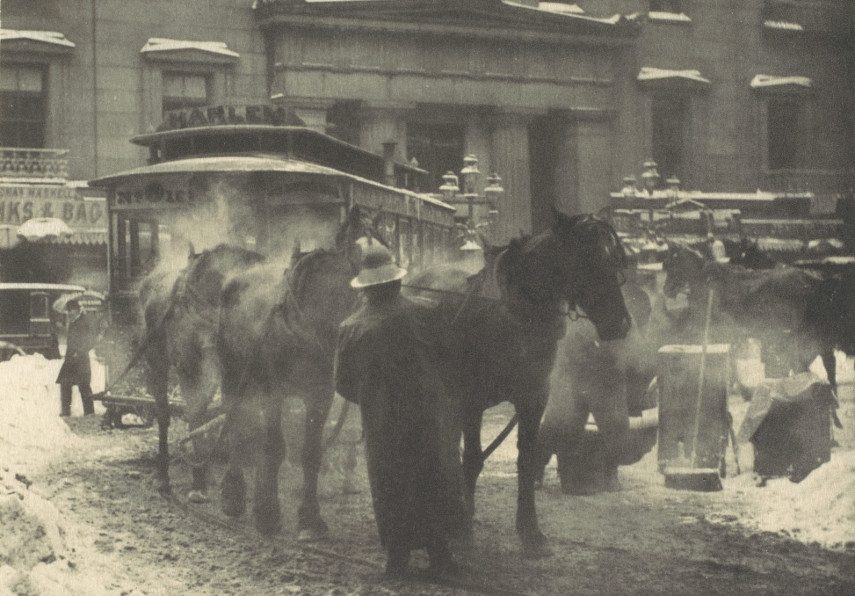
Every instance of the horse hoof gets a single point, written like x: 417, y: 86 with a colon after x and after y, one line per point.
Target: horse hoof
x: 197, y: 496
x: 165, y: 489
x: 534, y: 545
x: 536, y: 550
x: 267, y: 520
x: 312, y: 534
x: 233, y: 495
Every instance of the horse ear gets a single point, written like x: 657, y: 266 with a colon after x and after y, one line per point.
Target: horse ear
x: 555, y: 216
x: 191, y: 250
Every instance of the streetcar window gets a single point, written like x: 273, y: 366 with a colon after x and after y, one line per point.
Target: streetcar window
x: 14, y: 312
x: 39, y: 309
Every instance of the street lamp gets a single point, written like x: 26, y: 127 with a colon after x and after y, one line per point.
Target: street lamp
x: 470, y: 175
x: 493, y: 192
x: 673, y: 184
x: 449, y: 188
x: 650, y: 177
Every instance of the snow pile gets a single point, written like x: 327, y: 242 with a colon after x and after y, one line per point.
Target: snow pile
x: 33, y: 548
x: 821, y: 508
x: 30, y: 426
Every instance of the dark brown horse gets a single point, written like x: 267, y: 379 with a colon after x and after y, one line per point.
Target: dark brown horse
x: 797, y: 314
x: 277, y: 339
x: 181, y: 313
x: 503, y: 326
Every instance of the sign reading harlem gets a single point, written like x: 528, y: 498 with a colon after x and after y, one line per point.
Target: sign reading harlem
x: 20, y: 202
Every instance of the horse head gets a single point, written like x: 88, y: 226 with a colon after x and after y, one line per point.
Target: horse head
x: 578, y: 261
x: 590, y: 260
x: 684, y: 268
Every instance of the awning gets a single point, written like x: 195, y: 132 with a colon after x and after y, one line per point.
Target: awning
x: 83, y: 237
x: 761, y: 81
x: 39, y: 229
x: 161, y: 45
x: 649, y: 76
x: 49, y: 37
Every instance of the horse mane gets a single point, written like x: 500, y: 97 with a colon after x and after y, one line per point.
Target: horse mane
x: 295, y: 277
x: 243, y: 256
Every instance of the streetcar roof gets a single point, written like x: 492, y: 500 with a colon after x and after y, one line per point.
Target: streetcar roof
x: 293, y: 137
x: 246, y: 163
x: 40, y: 287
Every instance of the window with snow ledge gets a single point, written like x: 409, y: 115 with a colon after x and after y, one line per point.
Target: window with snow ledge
x: 667, y: 11
x: 787, y: 114
x: 181, y: 74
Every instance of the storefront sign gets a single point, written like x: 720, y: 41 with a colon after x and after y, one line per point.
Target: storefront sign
x: 20, y: 202
x: 224, y: 115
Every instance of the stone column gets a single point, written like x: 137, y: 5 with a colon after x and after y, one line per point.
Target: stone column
x: 510, y: 159
x: 593, y: 164
x: 380, y: 124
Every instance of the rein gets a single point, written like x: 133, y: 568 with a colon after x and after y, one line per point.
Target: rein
x: 140, y: 351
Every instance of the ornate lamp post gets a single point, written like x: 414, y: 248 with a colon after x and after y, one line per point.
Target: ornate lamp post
x: 474, y: 210
x: 470, y: 175
x: 650, y: 177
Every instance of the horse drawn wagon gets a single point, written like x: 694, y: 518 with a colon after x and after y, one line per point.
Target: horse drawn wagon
x: 252, y: 177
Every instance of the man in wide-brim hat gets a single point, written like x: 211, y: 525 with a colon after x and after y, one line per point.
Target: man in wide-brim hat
x: 387, y: 361
x: 76, y: 369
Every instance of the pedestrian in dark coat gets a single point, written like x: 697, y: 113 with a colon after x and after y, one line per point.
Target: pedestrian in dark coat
x: 76, y: 370
x: 386, y: 361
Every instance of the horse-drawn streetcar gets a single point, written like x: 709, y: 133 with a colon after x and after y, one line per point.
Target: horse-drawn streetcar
x: 255, y: 179
x: 268, y: 184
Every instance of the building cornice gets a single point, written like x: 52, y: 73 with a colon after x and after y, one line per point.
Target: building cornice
x: 427, y: 29
x: 491, y: 19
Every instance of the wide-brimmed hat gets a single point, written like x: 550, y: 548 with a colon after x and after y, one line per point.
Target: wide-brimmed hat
x: 378, y: 266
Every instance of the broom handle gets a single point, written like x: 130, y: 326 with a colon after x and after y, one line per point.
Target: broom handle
x: 701, y: 379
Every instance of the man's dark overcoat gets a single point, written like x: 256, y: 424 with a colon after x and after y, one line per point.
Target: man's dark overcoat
x: 388, y: 362
x: 76, y: 369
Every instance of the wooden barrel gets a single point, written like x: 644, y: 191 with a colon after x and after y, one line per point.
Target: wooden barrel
x: 680, y: 413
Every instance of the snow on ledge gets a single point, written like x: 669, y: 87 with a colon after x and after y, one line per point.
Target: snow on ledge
x: 783, y: 26
x: 160, y: 44
x: 764, y: 81
x: 669, y: 17
x: 648, y: 73
x: 51, y: 37
x: 562, y: 8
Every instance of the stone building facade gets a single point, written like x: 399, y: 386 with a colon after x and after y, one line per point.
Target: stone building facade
x: 563, y: 100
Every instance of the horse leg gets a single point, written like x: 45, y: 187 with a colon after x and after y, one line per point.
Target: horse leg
x: 473, y: 463
x: 829, y: 362
x: 198, y: 390
x: 157, y: 380
x: 311, y: 524
x: 266, y: 503
x: 533, y: 540
x: 197, y: 397
x: 233, y: 487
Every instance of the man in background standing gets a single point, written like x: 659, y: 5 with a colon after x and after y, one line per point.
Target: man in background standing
x: 76, y: 369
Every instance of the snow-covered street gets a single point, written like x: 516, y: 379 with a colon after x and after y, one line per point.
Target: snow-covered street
x: 80, y: 515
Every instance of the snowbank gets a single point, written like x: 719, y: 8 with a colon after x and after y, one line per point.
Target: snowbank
x: 34, y: 553
x: 820, y: 509
x: 31, y: 430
